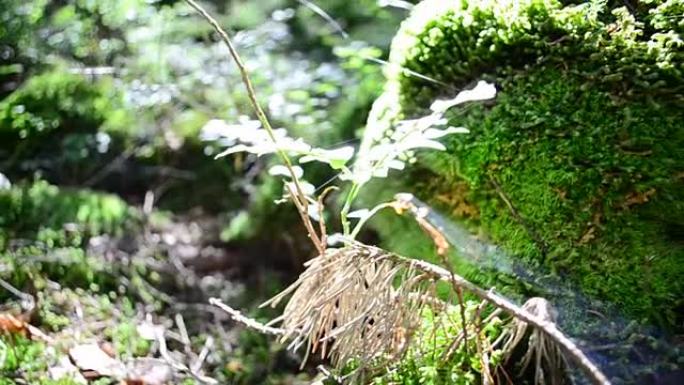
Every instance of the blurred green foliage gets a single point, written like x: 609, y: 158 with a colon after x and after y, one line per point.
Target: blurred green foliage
x: 44, y: 232
x: 73, y: 214
x: 55, y: 123
x: 24, y: 359
x: 51, y: 101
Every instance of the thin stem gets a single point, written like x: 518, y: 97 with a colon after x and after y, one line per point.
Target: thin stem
x: 298, y: 198
x: 365, y: 219
x: 237, y: 316
x: 351, y: 195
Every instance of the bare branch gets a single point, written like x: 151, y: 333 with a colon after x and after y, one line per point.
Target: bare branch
x: 549, y: 328
x: 237, y: 316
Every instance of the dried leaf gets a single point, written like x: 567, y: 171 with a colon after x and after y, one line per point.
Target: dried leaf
x: 149, y: 371
x: 90, y: 357
x: 13, y: 325
x: 638, y: 198
x: 65, y: 369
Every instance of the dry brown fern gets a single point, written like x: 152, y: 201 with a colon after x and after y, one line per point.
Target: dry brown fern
x: 353, y: 303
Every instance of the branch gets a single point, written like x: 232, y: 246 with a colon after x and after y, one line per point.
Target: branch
x: 549, y: 328
x: 237, y: 316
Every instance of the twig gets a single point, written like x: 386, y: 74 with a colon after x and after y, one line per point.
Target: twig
x: 299, y: 198
x: 442, y: 245
x: 320, y: 12
x: 455, y: 343
x: 28, y: 298
x: 197, y: 365
x: 532, y: 233
x: 184, y: 337
x: 321, y: 218
x: 329, y: 375
x: 111, y: 166
x: 487, y: 378
x: 163, y: 351
x: 237, y: 316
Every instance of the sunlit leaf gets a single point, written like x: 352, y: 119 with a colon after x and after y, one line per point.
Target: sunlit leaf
x: 482, y: 91
x: 396, y: 164
x: 4, y: 182
x: 313, y: 211
x: 337, y: 158
x: 434, y: 133
x: 307, y: 188
x: 280, y: 170
x: 422, y: 143
x: 233, y: 150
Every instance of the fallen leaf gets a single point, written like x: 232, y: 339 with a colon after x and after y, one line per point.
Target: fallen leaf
x: 66, y: 370
x: 90, y: 357
x: 588, y: 236
x: 12, y: 325
x: 149, y: 371
x: 637, y: 198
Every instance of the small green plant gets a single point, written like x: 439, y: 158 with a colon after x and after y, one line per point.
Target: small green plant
x: 375, y: 158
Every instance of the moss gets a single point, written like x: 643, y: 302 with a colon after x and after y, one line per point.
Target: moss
x: 25, y: 360
x: 425, y: 363
x: 70, y: 130
x: 61, y: 124
x: 584, y: 138
x: 596, y: 181
x: 44, y: 230
x: 51, y: 101
x: 74, y: 215
x: 457, y: 42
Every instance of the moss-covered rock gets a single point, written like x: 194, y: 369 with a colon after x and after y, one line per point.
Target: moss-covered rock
x: 584, y: 140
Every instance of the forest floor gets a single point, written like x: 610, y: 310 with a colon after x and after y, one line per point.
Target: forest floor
x: 146, y: 320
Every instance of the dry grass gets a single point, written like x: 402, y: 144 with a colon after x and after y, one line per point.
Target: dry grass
x: 350, y: 304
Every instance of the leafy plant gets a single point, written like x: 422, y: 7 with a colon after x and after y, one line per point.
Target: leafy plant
x: 374, y: 160
x: 359, y: 303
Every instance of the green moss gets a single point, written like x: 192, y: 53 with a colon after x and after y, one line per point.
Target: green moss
x: 457, y: 42
x: 49, y: 227
x: 61, y: 124
x: 51, y: 101
x: 25, y: 360
x: 584, y: 138
x: 596, y: 180
x: 59, y: 217
x: 425, y: 362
